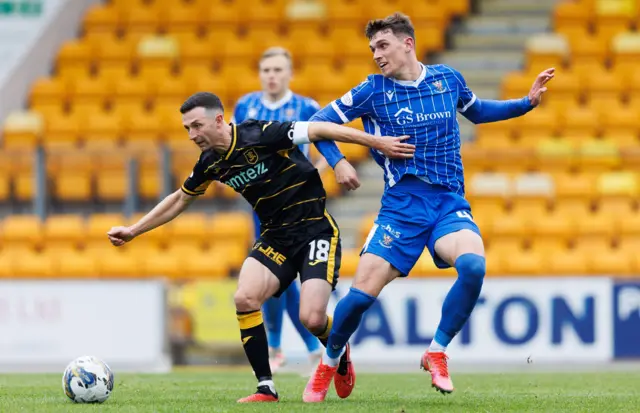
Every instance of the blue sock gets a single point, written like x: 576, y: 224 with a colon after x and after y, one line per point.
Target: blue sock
x: 346, y: 319
x: 272, y: 311
x: 461, y: 299
x: 292, y: 304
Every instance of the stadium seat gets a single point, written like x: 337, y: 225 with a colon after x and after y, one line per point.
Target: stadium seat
x: 490, y: 186
x: 613, y: 17
x: 71, y: 172
x: 532, y: 193
x: 116, y: 264
x: 525, y: 263
x: 101, y: 19
x: 63, y: 132
x: 580, y: 121
x: 49, y: 91
x: 571, y: 262
x: 538, y: 124
x: 78, y: 265
x: 68, y: 230
x: 35, y: 265
x: 546, y: 50
x: 598, y: 155
x: 163, y: 264
x: 22, y: 129
x: 231, y: 228
x: 91, y: 91
x: 189, y: 227
x: 22, y: 231
x: 208, y: 265
x: 349, y: 262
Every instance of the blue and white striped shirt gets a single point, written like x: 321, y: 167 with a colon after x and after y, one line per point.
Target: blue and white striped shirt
x: 424, y: 109
x: 291, y: 107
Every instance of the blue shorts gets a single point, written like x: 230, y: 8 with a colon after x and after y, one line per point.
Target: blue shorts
x: 414, y: 215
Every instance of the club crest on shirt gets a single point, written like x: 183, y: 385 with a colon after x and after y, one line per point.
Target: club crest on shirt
x: 251, y: 156
x: 252, y: 112
x: 289, y: 113
x: 438, y: 85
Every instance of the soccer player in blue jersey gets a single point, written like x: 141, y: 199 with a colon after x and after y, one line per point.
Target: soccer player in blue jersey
x: 423, y: 204
x: 277, y: 102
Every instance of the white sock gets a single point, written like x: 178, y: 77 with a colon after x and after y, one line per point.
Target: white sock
x: 269, y: 383
x: 437, y: 347
x: 332, y: 362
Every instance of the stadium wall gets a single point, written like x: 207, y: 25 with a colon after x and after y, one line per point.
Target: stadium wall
x: 32, y: 44
x: 46, y: 324
x: 517, y: 320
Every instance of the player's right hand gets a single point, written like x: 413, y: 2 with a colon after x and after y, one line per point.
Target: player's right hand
x: 120, y: 235
x: 392, y: 147
x: 346, y: 175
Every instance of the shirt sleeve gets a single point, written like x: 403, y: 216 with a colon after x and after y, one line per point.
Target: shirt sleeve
x: 466, y: 98
x: 281, y: 135
x: 240, y: 111
x: 355, y: 103
x: 197, y: 183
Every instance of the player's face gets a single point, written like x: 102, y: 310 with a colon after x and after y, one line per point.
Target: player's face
x: 390, y: 52
x: 204, y: 127
x: 275, y: 75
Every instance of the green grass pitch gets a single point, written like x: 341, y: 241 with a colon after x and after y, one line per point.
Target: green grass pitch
x: 218, y: 390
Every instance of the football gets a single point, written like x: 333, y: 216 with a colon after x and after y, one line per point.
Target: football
x: 87, y: 379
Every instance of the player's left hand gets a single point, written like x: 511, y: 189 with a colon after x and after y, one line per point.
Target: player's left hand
x: 538, y: 88
x: 392, y: 147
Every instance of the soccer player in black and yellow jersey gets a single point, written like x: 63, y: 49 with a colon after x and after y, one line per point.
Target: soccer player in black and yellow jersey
x: 262, y: 162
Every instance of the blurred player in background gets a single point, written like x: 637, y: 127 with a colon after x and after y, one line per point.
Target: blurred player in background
x: 261, y: 161
x: 423, y: 202
x: 277, y: 102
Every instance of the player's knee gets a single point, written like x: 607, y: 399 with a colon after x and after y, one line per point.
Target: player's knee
x: 314, y: 321
x: 471, y: 268
x: 245, y: 301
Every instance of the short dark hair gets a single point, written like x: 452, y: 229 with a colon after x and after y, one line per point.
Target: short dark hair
x: 398, y: 23
x: 201, y: 99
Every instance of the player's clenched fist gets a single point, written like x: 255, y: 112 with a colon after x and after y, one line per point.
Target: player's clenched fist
x: 120, y: 235
x: 393, y: 147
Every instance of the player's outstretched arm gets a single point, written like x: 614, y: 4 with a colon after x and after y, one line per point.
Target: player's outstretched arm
x: 485, y: 111
x: 169, y: 208
x: 392, y: 147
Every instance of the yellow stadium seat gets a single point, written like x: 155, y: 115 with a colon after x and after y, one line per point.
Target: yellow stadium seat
x: 618, y: 184
x: 163, y: 264
x: 239, y: 79
x: 232, y: 227
x: 64, y: 229
x: 349, y: 262
x: 613, y: 17
x: 539, y: 124
x: 116, y: 264
x: 589, y: 51
x: 425, y: 267
x: 48, y: 91
x: 5, y: 188
x: 527, y: 262
x: 103, y: 129
x: 91, y: 91
x: 264, y: 12
x: 157, y: 54
x: 365, y: 228
x: 72, y: 175
x: 620, y: 122
x: 208, y: 265
x: 35, y: 265
x: 517, y: 84
x: 599, y: 154
x: 555, y: 224
x: 189, y: 227
x: 548, y: 245
x: 99, y: 224
x: 626, y: 52
x: 142, y: 18
x: 308, y: 43
x: 532, y: 194
x: 350, y: 44
x: 224, y: 15
x: 580, y: 121
x: 74, y: 59
x: 494, y: 135
x: 570, y: 186
x: 604, y: 86
x: 614, y: 261
x: 186, y: 17
x: 45, y: 110
x: 101, y: 19
x: 546, y: 50
x: 346, y: 13
x: 62, y: 132
x: 494, y: 186
x: 555, y: 154
x: 568, y: 262
x: 78, y: 265
x: 22, y: 231
x: 132, y: 90
x: 22, y: 130
x: 511, y: 226
x: 599, y: 224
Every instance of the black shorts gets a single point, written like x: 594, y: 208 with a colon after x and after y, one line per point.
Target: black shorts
x: 312, y: 254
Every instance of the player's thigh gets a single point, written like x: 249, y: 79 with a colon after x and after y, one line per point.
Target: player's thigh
x: 314, y: 299
x: 256, y: 283
x: 373, y: 274
x: 455, y: 234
